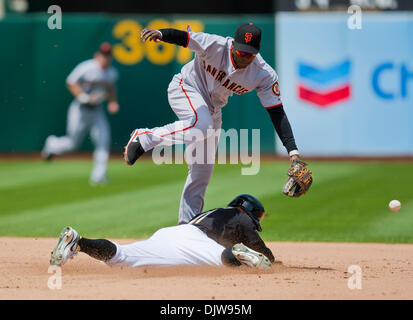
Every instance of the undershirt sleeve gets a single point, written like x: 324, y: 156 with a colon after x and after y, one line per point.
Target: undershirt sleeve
x: 174, y: 36
x: 282, y: 127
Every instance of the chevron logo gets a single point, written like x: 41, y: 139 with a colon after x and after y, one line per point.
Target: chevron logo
x: 324, y: 87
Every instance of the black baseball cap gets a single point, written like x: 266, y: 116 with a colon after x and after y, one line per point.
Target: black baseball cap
x: 247, y: 38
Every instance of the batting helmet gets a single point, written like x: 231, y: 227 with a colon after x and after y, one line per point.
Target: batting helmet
x: 251, y: 206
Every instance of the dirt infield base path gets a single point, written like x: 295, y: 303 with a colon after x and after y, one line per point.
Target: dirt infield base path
x: 307, y: 271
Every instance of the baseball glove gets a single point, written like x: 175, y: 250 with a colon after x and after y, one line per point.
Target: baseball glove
x: 299, y: 179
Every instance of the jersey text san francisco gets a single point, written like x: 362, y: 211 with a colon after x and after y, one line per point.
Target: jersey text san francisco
x: 220, y: 76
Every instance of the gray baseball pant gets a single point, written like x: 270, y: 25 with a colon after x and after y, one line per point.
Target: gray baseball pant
x: 81, y: 120
x: 194, y: 117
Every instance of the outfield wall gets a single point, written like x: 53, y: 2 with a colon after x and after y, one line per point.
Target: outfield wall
x: 345, y: 91
x: 35, y: 61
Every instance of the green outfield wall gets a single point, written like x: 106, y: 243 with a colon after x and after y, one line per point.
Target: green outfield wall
x: 35, y: 61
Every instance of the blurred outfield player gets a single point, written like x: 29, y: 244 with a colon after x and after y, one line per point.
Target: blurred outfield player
x: 225, y: 236
x: 221, y: 67
x: 92, y: 83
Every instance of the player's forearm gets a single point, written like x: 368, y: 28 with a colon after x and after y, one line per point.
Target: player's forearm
x: 74, y: 89
x: 112, y: 95
x: 253, y: 241
x: 174, y: 36
x: 283, y: 128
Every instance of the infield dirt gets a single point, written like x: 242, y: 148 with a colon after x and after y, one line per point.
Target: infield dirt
x: 305, y: 271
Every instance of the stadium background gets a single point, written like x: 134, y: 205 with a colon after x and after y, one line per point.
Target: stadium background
x: 355, y: 100
x: 347, y: 93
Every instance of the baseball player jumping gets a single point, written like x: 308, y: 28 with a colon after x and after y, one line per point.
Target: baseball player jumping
x: 225, y: 236
x: 92, y: 83
x: 221, y: 67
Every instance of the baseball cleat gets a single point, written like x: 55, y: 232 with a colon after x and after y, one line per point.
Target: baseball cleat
x: 67, y: 247
x: 250, y: 257
x: 99, y: 182
x: 46, y: 156
x: 133, y: 150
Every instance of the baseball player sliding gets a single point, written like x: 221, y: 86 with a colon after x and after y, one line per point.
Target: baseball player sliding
x: 92, y: 83
x: 225, y: 236
x: 221, y: 67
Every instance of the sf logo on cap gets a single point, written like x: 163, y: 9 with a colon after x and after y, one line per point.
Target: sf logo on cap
x: 248, y: 37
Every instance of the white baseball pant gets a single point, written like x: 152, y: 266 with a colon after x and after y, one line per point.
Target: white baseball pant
x: 173, y: 246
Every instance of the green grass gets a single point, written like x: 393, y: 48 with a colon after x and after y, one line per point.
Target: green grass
x: 347, y: 202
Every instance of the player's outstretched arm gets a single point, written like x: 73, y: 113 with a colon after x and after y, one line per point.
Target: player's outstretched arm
x: 74, y: 88
x: 283, y: 128
x: 252, y: 239
x: 174, y: 36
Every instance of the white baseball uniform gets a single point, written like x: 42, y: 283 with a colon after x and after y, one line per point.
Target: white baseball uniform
x: 197, y: 95
x: 179, y: 245
x: 81, y: 118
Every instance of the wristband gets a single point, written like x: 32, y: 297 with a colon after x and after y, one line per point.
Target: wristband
x: 293, y: 153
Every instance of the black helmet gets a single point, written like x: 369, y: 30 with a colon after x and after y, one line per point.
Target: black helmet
x: 251, y: 206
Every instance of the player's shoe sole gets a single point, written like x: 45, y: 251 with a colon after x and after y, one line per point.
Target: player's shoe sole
x: 133, y: 149
x: 66, y: 247
x: 250, y: 257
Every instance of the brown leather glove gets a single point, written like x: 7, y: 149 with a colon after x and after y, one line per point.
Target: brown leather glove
x: 299, y: 179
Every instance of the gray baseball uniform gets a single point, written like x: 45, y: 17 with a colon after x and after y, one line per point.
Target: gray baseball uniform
x: 82, y: 117
x: 196, y: 95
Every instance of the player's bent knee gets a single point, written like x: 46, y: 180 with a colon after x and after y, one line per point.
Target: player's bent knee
x: 203, y: 120
x: 205, y: 129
